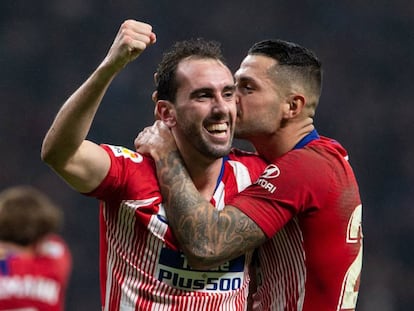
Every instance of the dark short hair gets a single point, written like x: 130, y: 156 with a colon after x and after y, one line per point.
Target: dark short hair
x: 296, y: 59
x: 165, y: 81
x: 27, y: 215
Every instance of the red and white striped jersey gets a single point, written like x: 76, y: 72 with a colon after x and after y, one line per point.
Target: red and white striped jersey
x: 36, y: 281
x: 308, y: 203
x: 142, y: 267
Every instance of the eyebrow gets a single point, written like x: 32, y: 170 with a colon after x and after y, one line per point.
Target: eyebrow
x: 230, y: 87
x: 245, y: 79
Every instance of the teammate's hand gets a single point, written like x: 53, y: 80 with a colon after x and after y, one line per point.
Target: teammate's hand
x: 156, y: 140
x: 131, y: 40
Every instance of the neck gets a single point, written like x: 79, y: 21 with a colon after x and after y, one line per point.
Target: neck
x: 283, y: 140
x: 204, y: 172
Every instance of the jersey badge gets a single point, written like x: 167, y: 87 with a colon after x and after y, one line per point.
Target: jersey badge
x: 120, y: 151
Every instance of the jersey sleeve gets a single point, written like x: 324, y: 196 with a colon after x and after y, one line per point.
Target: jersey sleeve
x: 125, y: 165
x: 296, y: 182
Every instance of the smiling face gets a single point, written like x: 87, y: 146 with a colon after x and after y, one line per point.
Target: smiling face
x: 205, y: 108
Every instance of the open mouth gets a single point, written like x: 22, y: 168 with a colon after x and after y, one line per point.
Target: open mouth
x: 218, y: 129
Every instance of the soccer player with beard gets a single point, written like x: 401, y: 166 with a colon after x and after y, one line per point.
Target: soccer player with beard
x: 142, y: 267
x: 304, y: 211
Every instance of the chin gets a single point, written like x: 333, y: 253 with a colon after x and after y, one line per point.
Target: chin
x: 220, y: 152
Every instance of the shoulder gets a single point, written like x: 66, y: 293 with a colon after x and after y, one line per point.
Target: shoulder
x: 130, y: 175
x: 246, y: 157
x: 52, y: 246
x: 123, y: 153
x: 310, y: 164
x: 125, y: 162
x: 329, y: 146
x: 318, y: 152
x: 252, y: 162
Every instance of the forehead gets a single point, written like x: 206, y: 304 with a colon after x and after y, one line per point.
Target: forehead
x: 203, y: 73
x: 255, y: 67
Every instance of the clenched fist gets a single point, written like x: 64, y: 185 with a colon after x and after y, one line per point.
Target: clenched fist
x: 131, y: 40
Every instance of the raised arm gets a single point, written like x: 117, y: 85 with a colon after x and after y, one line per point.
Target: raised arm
x: 207, y: 236
x: 81, y: 163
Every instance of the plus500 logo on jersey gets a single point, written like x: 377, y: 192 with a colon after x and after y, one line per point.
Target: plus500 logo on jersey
x: 173, y: 270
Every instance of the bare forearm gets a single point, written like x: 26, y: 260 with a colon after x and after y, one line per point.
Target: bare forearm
x: 207, y: 236
x: 74, y: 119
x: 81, y: 163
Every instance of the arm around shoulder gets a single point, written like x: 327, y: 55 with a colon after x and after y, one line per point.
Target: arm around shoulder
x: 218, y: 236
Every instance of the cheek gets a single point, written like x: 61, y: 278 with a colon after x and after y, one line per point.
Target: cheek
x: 253, y: 106
x: 190, y: 118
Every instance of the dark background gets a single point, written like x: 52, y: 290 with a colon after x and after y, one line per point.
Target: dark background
x: 48, y: 48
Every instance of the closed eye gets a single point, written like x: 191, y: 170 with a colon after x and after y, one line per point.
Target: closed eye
x: 245, y: 85
x: 245, y: 88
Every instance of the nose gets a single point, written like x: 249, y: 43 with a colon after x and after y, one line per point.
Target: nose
x: 222, y: 104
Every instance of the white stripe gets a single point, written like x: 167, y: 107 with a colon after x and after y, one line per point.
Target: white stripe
x: 242, y: 175
x: 283, y: 270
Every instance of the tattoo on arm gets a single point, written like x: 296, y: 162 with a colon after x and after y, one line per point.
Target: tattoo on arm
x: 207, y: 236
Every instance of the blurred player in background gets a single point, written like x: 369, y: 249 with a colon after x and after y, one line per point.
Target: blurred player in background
x: 35, y: 262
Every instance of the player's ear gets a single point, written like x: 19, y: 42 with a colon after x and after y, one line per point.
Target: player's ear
x: 155, y: 99
x: 165, y: 111
x: 295, y: 104
x: 154, y: 96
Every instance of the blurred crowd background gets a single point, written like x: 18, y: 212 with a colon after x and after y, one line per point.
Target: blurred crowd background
x: 48, y: 48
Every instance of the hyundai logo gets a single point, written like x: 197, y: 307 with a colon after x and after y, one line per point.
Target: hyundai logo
x: 272, y: 171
